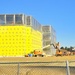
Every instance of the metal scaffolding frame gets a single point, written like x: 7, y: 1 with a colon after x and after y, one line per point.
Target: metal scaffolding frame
x: 49, y: 36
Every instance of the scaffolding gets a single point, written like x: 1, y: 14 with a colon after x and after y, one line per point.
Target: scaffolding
x: 17, y: 19
x: 49, y: 37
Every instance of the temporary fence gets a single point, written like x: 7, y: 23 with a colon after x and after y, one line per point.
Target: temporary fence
x: 38, y: 68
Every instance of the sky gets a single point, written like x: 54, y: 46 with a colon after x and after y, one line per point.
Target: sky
x: 58, y: 13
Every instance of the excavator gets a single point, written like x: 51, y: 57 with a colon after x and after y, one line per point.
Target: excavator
x: 58, y: 52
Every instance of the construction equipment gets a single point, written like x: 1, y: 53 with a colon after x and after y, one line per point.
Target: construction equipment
x: 57, y: 47
x: 41, y: 53
x: 59, y: 53
x: 38, y: 53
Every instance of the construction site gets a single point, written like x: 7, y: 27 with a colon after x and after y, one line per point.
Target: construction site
x: 21, y: 35
x: 30, y: 48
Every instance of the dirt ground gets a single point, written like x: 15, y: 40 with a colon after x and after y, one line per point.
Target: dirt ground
x: 36, y: 69
x: 37, y: 59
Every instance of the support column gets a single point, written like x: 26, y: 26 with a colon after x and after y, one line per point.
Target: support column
x: 5, y: 18
x: 14, y: 19
x: 23, y: 19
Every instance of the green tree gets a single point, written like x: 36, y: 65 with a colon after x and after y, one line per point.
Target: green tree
x: 71, y: 48
x: 62, y: 47
x: 66, y: 48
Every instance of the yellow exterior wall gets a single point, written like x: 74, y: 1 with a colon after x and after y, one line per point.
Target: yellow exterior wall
x: 19, y: 40
x: 36, y: 40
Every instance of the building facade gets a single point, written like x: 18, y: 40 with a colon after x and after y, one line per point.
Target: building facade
x: 49, y: 37
x: 19, y: 35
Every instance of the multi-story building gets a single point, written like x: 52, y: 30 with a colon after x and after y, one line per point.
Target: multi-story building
x: 49, y: 37
x: 19, y: 35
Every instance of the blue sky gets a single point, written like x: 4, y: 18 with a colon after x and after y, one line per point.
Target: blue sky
x: 58, y: 13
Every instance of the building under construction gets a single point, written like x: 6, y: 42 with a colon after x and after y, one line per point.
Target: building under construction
x: 49, y: 37
x: 21, y: 34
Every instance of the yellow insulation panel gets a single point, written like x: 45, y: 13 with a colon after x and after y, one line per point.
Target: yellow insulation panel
x: 19, y: 40
x: 36, y: 40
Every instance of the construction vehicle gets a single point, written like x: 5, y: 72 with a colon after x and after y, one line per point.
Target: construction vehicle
x: 42, y: 54
x: 58, y: 51
x: 39, y: 53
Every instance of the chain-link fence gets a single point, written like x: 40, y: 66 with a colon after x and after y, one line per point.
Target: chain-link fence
x: 38, y: 68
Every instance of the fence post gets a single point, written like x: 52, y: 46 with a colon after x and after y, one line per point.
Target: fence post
x: 18, y: 71
x: 67, y: 68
